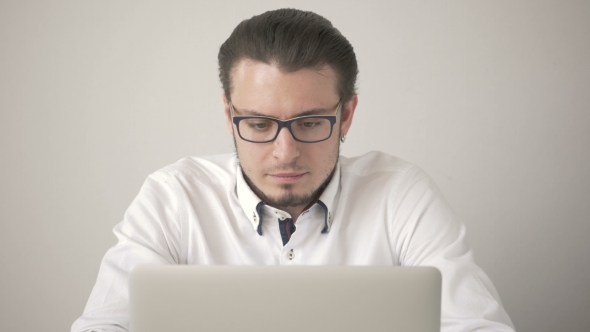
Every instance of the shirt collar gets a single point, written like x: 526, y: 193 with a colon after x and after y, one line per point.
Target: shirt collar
x: 253, y: 205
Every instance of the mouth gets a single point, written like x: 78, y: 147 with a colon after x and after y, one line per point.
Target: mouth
x: 287, y: 177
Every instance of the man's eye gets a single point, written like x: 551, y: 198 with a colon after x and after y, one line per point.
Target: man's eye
x: 258, y: 125
x: 311, y: 124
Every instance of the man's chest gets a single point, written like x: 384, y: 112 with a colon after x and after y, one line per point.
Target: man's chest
x: 233, y: 241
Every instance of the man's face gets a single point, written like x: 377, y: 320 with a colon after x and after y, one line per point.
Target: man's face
x: 285, y: 172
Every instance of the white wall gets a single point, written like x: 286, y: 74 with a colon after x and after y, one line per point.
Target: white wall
x: 490, y: 97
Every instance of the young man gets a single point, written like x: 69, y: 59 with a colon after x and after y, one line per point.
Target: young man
x: 287, y: 198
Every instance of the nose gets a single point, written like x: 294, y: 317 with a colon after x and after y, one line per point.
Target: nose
x: 286, y: 148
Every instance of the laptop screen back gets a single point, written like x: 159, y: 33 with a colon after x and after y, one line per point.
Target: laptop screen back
x: 271, y: 298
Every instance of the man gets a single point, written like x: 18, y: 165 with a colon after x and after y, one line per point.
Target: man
x: 287, y: 198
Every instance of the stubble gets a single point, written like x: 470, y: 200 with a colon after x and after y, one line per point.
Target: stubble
x: 288, y: 198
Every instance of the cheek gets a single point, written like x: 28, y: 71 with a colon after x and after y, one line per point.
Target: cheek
x: 251, y: 157
x: 325, y: 156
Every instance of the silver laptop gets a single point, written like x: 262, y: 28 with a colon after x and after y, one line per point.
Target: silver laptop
x: 274, y: 298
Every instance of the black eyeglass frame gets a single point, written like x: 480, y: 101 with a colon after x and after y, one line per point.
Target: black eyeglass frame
x: 285, y: 123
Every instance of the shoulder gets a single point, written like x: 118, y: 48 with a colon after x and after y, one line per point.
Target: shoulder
x: 376, y: 164
x: 381, y: 174
x: 216, y: 169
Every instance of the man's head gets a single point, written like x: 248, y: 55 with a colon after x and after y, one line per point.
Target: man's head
x: 286, y: 64
x: 292, y: 40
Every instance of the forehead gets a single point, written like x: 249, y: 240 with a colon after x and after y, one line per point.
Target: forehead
x: 267, y: 89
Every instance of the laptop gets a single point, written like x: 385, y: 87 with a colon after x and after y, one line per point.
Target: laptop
x: 185, y: 298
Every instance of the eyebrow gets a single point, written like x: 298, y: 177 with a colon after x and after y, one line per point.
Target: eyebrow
x: 315, y: 111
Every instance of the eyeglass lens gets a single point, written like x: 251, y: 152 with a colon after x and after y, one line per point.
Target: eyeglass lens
x: 304, y: 129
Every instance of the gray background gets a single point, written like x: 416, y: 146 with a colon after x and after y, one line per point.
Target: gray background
x: 489, y: 97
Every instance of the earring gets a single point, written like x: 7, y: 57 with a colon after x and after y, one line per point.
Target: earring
x: 342, y: 139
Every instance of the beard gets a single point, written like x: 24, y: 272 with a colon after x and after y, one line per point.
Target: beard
x: 288, y: 198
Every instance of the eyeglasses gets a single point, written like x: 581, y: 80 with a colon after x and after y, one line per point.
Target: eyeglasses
x: 306, y: 129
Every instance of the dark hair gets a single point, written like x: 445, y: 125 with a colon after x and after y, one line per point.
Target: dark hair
x: 292, y: 39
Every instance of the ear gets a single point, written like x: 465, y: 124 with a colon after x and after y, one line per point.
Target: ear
x: 347, y: 114
x: 228, y: 121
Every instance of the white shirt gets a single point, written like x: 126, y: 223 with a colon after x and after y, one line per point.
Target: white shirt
x: 380, y: 211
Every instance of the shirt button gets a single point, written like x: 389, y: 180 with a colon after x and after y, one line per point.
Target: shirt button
x: 282, y: 218
x: 291, y: 255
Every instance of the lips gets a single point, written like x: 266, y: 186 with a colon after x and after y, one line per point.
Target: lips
x: 287, y: 177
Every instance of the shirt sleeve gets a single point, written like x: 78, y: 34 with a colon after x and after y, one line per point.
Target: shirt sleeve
x: 148, y: 235
x: 426, y: 232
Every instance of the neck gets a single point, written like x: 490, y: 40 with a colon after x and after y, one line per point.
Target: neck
x: 295, y: 212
